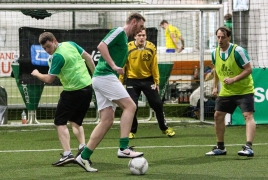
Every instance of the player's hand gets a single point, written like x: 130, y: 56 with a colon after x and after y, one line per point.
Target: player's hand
x: 180, y: 49
x: 118, y: 70
x: 157, y: 87
x: 228, y: 80
x: 35, y: 72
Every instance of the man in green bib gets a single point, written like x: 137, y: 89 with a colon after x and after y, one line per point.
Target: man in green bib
x: 233, y: 70
x: 67, y: 62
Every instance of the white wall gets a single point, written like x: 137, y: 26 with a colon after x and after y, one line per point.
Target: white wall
x: 257, y: 35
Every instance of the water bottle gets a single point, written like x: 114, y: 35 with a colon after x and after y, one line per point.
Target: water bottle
x: 185, y: 97
x: 16, y: 57
x: 23, y: 117
x: 189, y: 94
x: 181, y: 97
x: 196, y: 72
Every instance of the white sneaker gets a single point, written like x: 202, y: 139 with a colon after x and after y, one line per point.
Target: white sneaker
x: 216, y: 152
x: 246, y: 151
x: 86, y: 164
x: 128, y: 153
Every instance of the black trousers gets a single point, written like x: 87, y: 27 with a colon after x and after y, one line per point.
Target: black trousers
x: 173, y: 93
x: 134, y: 88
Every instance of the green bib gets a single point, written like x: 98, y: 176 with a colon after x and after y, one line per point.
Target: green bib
x: 74, y: 74
x: 229, y: 68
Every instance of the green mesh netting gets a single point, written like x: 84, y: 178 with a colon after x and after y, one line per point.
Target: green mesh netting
x: 37, y: 14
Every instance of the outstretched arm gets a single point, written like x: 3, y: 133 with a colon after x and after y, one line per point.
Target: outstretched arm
x: 47, y: 78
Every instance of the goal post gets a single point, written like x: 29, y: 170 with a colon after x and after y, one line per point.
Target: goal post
x: 123, y: 7
x: 194, y: 19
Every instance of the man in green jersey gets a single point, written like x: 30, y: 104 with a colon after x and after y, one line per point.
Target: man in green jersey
x: 68, y: 64
x: 110, y: 91
x: 228, y: 23
x: 233, y: 70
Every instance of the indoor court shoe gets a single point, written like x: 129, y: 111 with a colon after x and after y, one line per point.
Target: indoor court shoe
x: 128, y: 153
x: 86, y: 164
x: 216, y: 152
x: 169, y: 132
x: 131, y: 135
x: 64, y: 160
x: 246, y: 151
x: 79, y: 151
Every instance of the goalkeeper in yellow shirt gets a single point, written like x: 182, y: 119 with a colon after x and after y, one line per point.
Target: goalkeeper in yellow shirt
x: 142, y: 75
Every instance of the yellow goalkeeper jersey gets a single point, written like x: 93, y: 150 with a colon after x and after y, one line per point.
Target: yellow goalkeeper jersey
x: 141, y: 63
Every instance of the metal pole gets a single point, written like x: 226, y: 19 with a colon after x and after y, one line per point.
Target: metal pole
x: 73, y: 16
x: 221, y: 16
x: 109, y: 7
x: 201, y: 45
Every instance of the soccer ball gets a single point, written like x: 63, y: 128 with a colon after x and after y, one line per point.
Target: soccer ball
x: 138, y: 166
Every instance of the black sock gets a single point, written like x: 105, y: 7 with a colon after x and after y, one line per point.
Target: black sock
x: 220, y: 145
x: 249, y: 144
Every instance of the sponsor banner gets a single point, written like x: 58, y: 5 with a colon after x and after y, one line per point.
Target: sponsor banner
x: 39, y: 56
x: 33, y: 57
x: 6, y: 58
x: 30, y: 50
x: 260, y: 98
x: 30, y: 93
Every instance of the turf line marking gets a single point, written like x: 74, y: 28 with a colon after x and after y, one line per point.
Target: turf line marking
x: 137, y: 147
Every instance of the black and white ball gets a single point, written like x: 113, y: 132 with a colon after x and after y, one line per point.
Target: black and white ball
x: 138, y: 166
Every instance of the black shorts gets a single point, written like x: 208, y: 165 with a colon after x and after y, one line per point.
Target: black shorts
x: 73, y: 106
x: 228, y: 104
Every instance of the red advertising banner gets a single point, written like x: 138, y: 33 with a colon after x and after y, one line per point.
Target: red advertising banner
x: 6, y: 59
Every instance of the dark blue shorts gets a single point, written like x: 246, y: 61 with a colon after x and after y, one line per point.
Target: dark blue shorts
x: 228, y: 104
x: 170, y: 50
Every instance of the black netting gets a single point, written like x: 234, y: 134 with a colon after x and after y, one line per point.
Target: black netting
x: 37, y: 14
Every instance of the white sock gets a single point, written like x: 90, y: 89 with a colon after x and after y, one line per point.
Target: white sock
x: 81, y: 146
x: 66, y: 153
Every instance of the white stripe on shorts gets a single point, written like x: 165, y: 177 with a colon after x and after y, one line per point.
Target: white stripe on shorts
x: 108, y: 88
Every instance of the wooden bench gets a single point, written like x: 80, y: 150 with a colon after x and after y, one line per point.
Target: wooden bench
x: 187, y: 68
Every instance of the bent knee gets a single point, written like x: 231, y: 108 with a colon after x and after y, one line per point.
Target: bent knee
x: 219, y: 116
x: 132, y: 107
x: 248, y: 116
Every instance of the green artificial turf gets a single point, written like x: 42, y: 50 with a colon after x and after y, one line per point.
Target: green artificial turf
x: 27, y: 152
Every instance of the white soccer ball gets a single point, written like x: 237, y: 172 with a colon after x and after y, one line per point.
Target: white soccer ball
x: 138, y: 166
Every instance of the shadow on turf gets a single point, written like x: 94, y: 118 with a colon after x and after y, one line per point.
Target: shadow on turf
x: 200, y: 160
x: 118, y: 171
x: 177, y: 135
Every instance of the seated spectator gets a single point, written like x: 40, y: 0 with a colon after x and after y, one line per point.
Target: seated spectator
x: 173, y: 91
x: 195, y: 96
